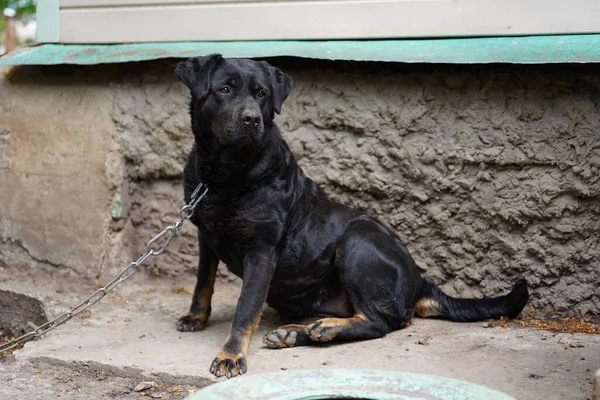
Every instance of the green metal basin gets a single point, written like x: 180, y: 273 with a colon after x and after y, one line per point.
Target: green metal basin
x: 357, y: 384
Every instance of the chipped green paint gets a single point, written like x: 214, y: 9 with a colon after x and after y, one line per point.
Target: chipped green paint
x: 345, y: 383
x: 116, y: 210
x: 516, y: 50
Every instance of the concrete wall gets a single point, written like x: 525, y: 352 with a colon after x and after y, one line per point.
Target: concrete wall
x: 488, y: 173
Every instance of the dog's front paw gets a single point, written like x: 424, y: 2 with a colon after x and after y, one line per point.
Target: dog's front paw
x: 229, y: 365
x: 191, y: 323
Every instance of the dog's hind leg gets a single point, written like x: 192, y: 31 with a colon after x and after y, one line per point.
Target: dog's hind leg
x: 380, y: 280
x: 357, y: 327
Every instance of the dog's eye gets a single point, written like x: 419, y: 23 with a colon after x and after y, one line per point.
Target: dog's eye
x: 261, y: 93
x: 225, y: 90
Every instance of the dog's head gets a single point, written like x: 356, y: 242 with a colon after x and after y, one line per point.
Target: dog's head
x: 233, y: 98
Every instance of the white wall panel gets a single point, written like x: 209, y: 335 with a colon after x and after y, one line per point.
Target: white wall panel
x: 115, y: 21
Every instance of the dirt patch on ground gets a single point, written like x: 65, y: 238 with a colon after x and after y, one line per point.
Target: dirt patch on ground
x: 551, y: 322
x: 50, y: 379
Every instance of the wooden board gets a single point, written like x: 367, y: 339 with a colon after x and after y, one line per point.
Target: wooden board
x: 117, y: 21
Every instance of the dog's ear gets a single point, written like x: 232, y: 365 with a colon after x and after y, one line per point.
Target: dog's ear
x: 281, y: 86
x: 196, y: 73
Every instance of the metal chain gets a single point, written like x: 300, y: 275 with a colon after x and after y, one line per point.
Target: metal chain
x: 153, y: 248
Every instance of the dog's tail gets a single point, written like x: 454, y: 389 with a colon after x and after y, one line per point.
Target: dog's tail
x: 435, y: 303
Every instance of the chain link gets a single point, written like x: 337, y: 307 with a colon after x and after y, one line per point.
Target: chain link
x: 152, y: 249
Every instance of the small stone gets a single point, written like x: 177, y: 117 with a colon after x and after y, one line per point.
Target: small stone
x: 486, y: 325
x: 155, y: 395
x: 424, y: 341
x: 144, y: 386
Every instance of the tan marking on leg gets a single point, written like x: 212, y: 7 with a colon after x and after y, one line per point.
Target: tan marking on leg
x: 197, y: 317
x: 205, y: 296
x: 246, y: 336
x: 428, y: 307
x: 330, y: 322
x: 238, y: 355
x: 293, y: 327
x: 326, y: 329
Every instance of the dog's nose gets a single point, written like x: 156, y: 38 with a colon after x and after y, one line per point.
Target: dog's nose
x: 251, y: 118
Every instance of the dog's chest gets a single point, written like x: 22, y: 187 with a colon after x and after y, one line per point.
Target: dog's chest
x: 232, y: 230
x: 230, y: 219
x: 220, y: 228
x: 228, y: 239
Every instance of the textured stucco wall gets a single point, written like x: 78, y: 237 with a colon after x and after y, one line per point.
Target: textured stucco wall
x: 488, y: 173
x: 55, y: 134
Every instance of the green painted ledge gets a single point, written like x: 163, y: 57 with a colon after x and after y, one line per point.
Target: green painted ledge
x: 515, y: 50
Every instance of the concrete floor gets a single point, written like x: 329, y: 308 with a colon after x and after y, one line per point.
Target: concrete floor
x: 130, y: 337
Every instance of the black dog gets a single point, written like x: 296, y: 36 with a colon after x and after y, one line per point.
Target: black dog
x: 275, y: 228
